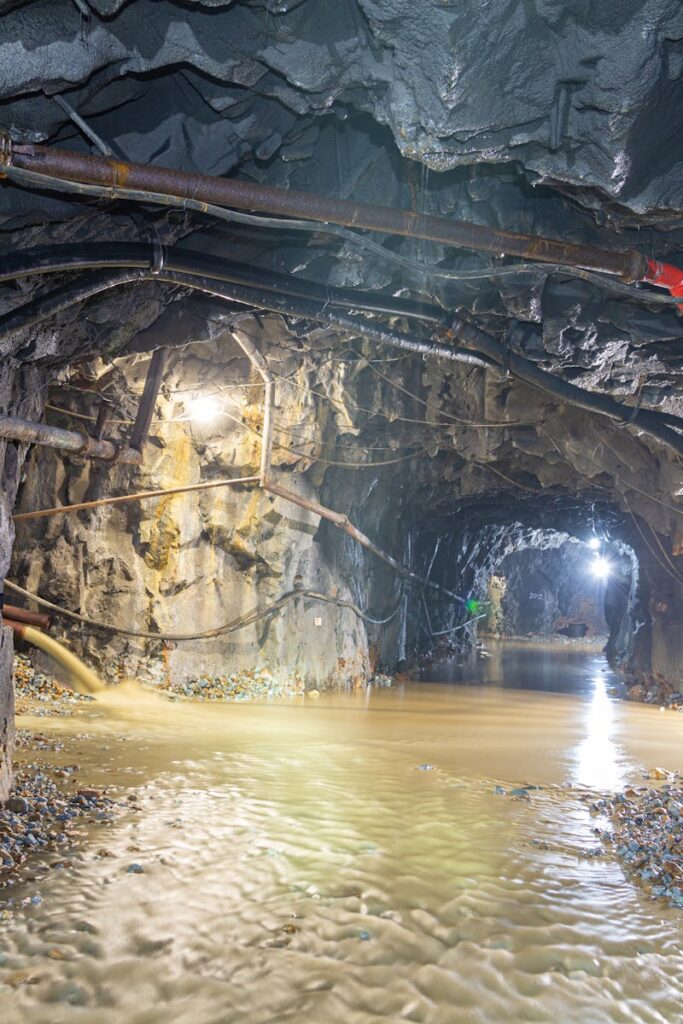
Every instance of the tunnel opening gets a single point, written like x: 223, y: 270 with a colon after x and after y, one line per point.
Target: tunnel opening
x: 526, y: 579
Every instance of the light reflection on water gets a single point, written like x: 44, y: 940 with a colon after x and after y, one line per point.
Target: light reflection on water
x: 348, y: 859
x: 599, y: 759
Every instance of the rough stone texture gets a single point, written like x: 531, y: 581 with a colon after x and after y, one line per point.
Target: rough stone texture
x: 198, y: 560
x: 6, y: 712
x: 189, y: 563
x: 546, y: 589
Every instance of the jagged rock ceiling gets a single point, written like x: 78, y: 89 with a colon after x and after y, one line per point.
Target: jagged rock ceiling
x: 547, y: 117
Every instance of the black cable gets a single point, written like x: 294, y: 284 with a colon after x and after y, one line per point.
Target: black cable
x: 51, y: 303
x: 290, y: 296
x: 128, y: 255
x: 593, y: 401
x: 248, y: 619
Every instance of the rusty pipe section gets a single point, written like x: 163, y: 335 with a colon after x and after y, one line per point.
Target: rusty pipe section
x: 244, y: 195
x: 39, y: 619
x: 13, y: 428
x: 18, y: 628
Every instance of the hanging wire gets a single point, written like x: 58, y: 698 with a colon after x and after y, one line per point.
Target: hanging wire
x: 672, y: 571
x: 241, y: 622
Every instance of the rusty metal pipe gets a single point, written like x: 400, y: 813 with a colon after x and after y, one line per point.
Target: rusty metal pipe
x: 244, y: 195
x: 19, y: 628
x: 26, y: 432
x: 40, y: 619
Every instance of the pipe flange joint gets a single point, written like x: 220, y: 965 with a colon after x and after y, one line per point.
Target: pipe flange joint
x: 636, y: 269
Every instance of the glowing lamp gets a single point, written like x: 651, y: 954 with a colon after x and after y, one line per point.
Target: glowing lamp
x: 601, y: 568
x: 204, y: 409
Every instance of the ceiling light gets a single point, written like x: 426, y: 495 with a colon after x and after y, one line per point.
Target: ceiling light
x: 204, y: 409
x: 601, y: 568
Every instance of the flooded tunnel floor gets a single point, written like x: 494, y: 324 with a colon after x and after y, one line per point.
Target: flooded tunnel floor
x: 348, y: 859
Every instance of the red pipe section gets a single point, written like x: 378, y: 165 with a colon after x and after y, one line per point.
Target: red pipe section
x: 665, y: 275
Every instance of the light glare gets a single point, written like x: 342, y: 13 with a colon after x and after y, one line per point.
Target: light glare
x: 601, y: 568
x: 204, y: 409
x: 594, y: 543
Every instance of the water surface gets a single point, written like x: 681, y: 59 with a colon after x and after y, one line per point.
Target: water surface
x: 348, y: 859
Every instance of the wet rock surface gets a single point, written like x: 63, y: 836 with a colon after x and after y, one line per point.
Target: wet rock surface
x: 6, y: 712
x: 43, y: 816
x: 646, y: 834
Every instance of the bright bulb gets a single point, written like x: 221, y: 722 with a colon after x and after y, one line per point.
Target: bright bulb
x: 204, y: 409
x: 601, y: 567
x: 594, y: 543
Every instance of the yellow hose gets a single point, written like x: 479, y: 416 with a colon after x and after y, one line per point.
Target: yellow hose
x: 84, y: 677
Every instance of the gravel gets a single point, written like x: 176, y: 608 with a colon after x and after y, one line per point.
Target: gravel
x: 39, y: 694
x: 646, y: 834
x: 42, y: 815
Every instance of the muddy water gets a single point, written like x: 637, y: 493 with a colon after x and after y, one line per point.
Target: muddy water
x: 303, y: 863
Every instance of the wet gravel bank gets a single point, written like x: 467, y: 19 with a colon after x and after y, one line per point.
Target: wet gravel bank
x: 37, y: 693
x: 246, y: 685
x: 49, y: 810
x: 646, y: 834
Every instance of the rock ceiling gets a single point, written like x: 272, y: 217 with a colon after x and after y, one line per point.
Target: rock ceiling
x: 543, y: 117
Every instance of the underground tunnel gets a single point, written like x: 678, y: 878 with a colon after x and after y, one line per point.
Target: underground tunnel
x: 341, y: 519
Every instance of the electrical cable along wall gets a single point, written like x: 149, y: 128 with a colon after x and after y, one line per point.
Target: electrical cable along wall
x: 296, y: 298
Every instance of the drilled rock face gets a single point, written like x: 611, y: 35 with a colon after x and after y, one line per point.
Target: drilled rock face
x: 545, y: 592
x: 189, y: 564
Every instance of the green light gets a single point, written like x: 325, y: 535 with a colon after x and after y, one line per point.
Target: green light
x: 472, y: 606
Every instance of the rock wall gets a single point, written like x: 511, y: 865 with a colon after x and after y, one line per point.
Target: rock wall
x: 192, y: 562
x: 546, y: 589
x: 189, y: 563
x: 6, y: 712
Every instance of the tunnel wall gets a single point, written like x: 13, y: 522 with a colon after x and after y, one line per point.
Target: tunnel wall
x: 188, y: 563
x: 545, y: 589
x: 643, y: 601
x: 6, y: 712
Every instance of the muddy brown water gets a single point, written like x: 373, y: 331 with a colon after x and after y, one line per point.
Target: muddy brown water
x: 302, y: 863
